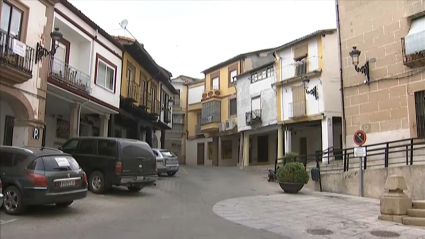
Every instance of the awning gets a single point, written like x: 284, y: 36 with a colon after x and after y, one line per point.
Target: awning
x: 415, y: 39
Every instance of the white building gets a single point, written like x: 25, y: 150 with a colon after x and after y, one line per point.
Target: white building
x: 84, y: 78
x: 257, y: 113
x: 24, y: 25
x: 309, y: 97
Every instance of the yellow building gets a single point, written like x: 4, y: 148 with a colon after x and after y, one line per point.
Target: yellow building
x: 212, y: 111
x: 146, y: 97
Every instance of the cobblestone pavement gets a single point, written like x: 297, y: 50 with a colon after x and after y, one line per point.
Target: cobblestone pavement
x: 178, y: 207
x: 312, y: 215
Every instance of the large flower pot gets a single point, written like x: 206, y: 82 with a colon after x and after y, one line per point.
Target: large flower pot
x: 291, y: 187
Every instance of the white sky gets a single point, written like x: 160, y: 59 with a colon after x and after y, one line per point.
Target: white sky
x: 187, y: 37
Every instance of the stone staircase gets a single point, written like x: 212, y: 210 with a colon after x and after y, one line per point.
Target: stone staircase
x: 415, y: 215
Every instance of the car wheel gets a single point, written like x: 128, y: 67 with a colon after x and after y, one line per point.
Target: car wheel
x: 97, y: 182
x: 64, y: 204
x: 171, y: 173
x: 135, y: 188
x: 13, y: 201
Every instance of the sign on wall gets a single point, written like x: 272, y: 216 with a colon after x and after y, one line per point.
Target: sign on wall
x: 19, y: 48
x: 36, y: 133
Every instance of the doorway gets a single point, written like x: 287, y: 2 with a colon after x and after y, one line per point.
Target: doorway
x: 303, y: 149
x: 263, y: 149
x: 8, y: 130
x: 200, y: 154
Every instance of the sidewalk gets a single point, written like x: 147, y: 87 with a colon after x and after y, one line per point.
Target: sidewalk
x: 310, y: 214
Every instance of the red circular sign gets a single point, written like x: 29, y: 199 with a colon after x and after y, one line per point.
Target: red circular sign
x: 360, y: 137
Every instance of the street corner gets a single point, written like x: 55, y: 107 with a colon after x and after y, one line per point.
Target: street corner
x: 313, y: 215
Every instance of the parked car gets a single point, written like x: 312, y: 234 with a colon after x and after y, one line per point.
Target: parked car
x: 1, y: 193
x: 36, y: 176
x: 114, y: 162
x: 166, y: 162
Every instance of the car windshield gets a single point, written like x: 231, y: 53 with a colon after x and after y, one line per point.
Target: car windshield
x: 168, y: 154
x: 59, y: 163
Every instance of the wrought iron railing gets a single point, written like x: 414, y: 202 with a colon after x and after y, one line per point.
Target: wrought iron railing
x: 10, y: 57
x: 66, y: 74
x: 133, y: 90
x: 297, y: 109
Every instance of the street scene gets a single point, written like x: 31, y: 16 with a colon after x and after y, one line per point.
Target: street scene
x: 212, y: 119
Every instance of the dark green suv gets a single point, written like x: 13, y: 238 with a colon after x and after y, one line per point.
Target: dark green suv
x: 114, y: 161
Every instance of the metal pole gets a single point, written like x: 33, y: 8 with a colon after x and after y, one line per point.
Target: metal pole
x: 360, y: 177
x: 79, y: 115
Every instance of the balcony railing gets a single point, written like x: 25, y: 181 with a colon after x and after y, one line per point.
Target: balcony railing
x: 412, y: 60
x: 68, y: 75
x: 297, y: 109
x: 133, y: 91
x: 210, y: 119
x: 300, y: 68
x: 23, y: 61
x: 211, y: 112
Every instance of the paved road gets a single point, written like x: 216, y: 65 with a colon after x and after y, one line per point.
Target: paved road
x: 178, y: 207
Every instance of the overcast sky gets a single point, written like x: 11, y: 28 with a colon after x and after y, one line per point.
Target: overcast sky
x: 187, y: 37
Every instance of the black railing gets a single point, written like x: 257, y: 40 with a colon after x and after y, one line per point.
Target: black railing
x: 377, y: 154
x: 8, y: 56
x: 66, y: 74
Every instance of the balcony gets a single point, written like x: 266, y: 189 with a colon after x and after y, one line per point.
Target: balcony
x: 297, y: 109
x: 412, y: 60
x: 155, y: 106
x: 210, y: 116
x: 167, y: 116
x: 133, y: 91
x: 252, y: 117
x: 16, y: 60
x: 308, y: 66
x: 68, y: 76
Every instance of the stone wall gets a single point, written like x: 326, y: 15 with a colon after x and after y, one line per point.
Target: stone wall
x: 381, y: 108
x: 374, y: 181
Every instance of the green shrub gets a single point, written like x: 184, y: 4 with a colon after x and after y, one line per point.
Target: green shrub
x: 292, y: 173
x: 291, y: 157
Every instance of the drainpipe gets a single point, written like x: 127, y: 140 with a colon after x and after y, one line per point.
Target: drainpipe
x: 79, y: 116
x: 92, y: 53
x: 341, y: 75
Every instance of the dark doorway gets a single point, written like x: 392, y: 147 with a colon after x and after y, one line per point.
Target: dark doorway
x: 303, y: 149
x: 8, y: 130
x: 263, y: 149
x: 200, y: 154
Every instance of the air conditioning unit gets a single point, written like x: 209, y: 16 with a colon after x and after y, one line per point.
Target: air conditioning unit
x: 204, y: 95
x: 230, y: 124
x: 210, y: 93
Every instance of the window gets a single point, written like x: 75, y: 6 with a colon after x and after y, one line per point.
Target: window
x: 270, y: 72
x: 232, y: 107
x: 254, y: 78
x: 107, y: 148
x: 58, y: 163
x: 88, y: 146
x: 168, y: 154
x: 233, y: 75
x: 263, y: 74
x: 215, y: 83
x: 256, y: 103
x: 11, y: 20
x: 136, y: 149
x: 105, y: 74
x: 37, y: 164
x: 176, y: 97
x: 156, y: 153
x: 70, y: 145
x: 420, y: 113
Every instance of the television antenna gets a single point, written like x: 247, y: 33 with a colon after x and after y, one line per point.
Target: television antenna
x: 123, y: 24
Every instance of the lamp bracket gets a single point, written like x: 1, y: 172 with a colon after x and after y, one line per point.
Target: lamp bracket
x: 364, y: 70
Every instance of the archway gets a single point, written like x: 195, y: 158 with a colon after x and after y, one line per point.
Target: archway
x: 14, y: 107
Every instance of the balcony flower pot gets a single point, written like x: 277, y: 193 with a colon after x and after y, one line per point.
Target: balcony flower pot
x: 292, y: 177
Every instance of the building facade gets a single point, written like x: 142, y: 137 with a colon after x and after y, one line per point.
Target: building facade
x: 257, y: 113
x: 308, y: 94
x: 84, y: 77
x: 219, y: 111
x: 23, y: 81
x: 390, y: 106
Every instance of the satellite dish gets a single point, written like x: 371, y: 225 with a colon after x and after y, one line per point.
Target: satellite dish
x: 124, y: 23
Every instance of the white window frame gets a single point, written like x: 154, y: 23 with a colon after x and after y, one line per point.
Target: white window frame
x: 218, y: 83
x: 233, y: 78
x: 104, y: 82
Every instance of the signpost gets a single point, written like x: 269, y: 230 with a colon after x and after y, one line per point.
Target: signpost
x: 360, y: 152
x: 36, y: 133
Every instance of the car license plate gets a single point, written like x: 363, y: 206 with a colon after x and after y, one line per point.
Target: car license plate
x: 67, y: 183
x: 138, y: 178
x: 172, y: 167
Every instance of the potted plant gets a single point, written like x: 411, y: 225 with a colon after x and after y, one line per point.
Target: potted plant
x: 290, y: 157
x: 292, y: 177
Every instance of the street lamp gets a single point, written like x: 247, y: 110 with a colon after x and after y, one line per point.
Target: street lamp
x: 355, y: 54
x: 56, y: 35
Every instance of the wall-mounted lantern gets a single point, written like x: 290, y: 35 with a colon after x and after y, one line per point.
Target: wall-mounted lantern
x: 355, y: 54
x: 56, y: 35
x: 313, y: 91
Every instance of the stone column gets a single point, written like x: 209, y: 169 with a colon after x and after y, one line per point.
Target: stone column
x: 220, y: 153
x: 103, y: 129
x: 288, y: 141
x: 73, y: 120
x: 280, y: 148
x: 327, y: 137
x: 246, y: 150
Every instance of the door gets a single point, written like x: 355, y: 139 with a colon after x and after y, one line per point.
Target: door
x: 263, y: 149
x: 200, y: 154
x: 303, y: 148
x: 8, y: 130
x: 137, y: 158
x: 84, y: 153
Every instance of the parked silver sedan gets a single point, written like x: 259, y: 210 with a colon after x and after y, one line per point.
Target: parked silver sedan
x: 166, y: 162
